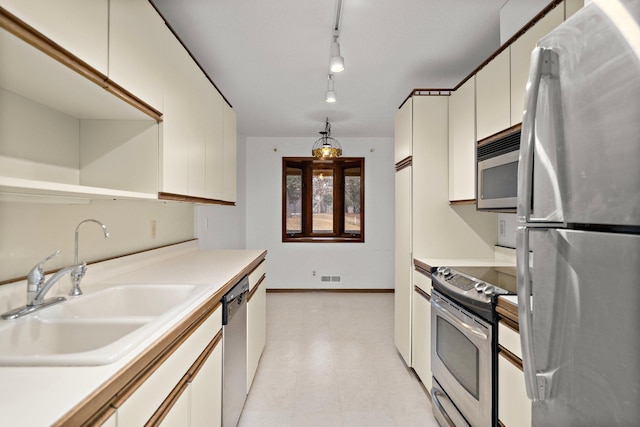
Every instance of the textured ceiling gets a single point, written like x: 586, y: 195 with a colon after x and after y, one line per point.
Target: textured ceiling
x: 270, y: 58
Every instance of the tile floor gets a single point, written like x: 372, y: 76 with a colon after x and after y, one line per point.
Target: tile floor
x: 330, y: 361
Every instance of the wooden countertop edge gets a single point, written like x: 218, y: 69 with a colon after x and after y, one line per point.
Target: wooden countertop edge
x: 422, y: 267
x: 507, y: 310
x: 107, y: 393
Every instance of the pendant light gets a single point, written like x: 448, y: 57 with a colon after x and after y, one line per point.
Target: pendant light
x: 330, y: 96
x: 326, y: 147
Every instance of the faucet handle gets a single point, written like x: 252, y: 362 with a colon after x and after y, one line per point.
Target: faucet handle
x: 36, y: 275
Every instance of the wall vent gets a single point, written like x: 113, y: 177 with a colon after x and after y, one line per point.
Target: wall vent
x: 329, y: 279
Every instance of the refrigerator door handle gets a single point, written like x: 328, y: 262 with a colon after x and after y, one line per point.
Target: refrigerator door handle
x: 544, y: 62
x: 527, y: 139
x: 525, y: 314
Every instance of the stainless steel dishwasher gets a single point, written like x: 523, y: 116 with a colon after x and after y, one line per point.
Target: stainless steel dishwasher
x: 234, y: 352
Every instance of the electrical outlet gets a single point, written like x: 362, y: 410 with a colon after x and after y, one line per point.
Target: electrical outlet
x: 313, y: 274
x: 502, y: 227
x: 153, y: 228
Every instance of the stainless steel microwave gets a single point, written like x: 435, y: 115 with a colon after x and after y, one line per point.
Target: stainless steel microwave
x: 497, y: 171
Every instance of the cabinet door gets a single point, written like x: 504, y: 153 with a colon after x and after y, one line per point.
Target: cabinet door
x: 206, y: 392
x: 79, y: 26
x: 421, y: 338
x: 136, y: 57
x: 403, y: 129
x: 178, y: 415
x: 179, y: 121
x: 214, y: 149
x: 514, y: 407
x: 146, y: 400
x: 520, y: 58
x: 403, y: 264
x: 230, y: 153
x: 462, y: 142
x: 571, y: 7
x: 256, y: 330
x: 197, y: 144
x: 493, y: 109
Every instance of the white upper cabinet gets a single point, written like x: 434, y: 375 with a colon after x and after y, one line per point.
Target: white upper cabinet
x: 178, y: 121
x: 403, y: 130
x: 493, y: 105
x: 136, y: 54
x: 521, y: 55
x: 230, y: 153
x: 79, y: 26
x: 571, y: 7
x: 214, y: 150
x: 462, y: 142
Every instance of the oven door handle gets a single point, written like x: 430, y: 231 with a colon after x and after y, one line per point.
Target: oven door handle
x: 474, y: 330
x: 435, y: 393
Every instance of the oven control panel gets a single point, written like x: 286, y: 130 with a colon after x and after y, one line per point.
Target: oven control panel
x: 468, y: 285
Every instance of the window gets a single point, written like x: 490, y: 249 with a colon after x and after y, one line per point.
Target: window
x: 322, y: 200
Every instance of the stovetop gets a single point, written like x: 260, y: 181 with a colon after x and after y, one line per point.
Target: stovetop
x: 475, y: 288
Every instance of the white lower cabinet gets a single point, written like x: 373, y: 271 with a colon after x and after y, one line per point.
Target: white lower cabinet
x: 144, y: 402
x: 206, y: 392
x: 514, y: 407
x: 178, y: 415
x: 112, y: 421
x: 403, y: 287
x: 256, y: 321
x: 421, y: 332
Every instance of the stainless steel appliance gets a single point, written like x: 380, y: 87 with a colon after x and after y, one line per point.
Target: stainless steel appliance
x: 463, y: 345
x: 579, y: 215
x: 234, y: 352
x: 497, y: 171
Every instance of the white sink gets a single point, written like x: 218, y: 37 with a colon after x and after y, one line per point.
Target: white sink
x: 94, y: 329
x: 35, y: 341
x: 125, y: 301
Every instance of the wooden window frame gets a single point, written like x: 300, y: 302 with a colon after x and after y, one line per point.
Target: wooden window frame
x: 306, y: 164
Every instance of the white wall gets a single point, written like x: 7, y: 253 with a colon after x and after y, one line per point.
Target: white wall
x: 223, y: 227
x: 31, y: 231
x: 291, y: 265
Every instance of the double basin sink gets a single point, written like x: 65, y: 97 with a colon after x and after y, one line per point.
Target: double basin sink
x: 97, y: 328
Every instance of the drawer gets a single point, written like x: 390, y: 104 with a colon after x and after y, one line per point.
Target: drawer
x: 509, y: 339
x: 422, y: 281
x: 255, y: 275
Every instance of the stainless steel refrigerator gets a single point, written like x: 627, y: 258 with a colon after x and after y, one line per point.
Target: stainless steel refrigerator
x: 578, y: 238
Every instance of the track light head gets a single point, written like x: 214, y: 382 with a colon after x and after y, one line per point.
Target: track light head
x: 336, y: 63
x: 330, y: 95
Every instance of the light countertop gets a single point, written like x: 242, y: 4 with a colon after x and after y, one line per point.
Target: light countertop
x: 39, y: 396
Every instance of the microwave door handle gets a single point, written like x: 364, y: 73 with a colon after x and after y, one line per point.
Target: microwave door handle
x: 525, y: 313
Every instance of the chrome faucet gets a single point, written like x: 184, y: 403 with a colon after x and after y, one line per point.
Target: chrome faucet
x: 37, y: 288
x: 78, y: 270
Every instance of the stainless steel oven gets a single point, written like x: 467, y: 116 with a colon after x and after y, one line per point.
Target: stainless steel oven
x: 463, y: 346
x: 461, y: 354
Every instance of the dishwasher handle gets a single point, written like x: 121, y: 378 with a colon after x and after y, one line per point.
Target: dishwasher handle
x: 233, y: 300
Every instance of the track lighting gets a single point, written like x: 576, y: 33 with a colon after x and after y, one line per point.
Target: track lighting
x: 330, y: 96
x: 336, y: 63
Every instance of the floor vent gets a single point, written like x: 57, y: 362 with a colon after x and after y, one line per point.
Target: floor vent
x: 328, y: 279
